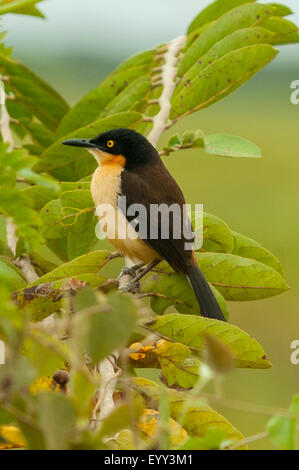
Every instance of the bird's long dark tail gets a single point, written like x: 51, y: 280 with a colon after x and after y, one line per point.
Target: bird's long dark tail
x: 209, y: 306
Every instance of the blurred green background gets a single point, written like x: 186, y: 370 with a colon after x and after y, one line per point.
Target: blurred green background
x: 81, y: 42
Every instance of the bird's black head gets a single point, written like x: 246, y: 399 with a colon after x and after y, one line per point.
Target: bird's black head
x: 127, y: 143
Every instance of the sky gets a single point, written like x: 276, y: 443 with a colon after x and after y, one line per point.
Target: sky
x: 117, y: 28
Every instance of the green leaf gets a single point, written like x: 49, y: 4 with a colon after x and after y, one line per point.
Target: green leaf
x: 131, y: 96
x: 92, y: 105
x: 40, y: 134
x: 221, y: 78
x: 174, y: 141
x: 214, y: 11
x: 50, y: 216
x: 39, y: 196
x: 249, y: 248
x: 240, y: 278
x: 88, y: 264
x: 198, y: 419
x: 56, y: 417
x: 190, y: 331
x: 217, y: 236
x: 231, y: 146
x: 281, y: 10
x: 283, y: 430
x: 108, y: 327
x: 58, y: 158
x: 38, y: 306
x: 166, y: 288
x: 285, y: 32
x: 236, y: 40
x: 26, y: 220
x: 240, y: 17
x: 213, y: 440
x: 71, y: 218
x: 10, y: 276
x: 79, y: 220
x: 23, y: 7
x: 178, y: 368
x: 34, y: 94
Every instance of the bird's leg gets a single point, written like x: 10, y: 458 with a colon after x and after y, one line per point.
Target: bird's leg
x: 134, y: 285
x: 130, y: 271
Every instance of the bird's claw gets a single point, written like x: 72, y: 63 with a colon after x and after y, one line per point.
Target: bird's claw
x: 129, y: 271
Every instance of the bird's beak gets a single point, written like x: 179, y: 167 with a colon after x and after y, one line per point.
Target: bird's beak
x: 85, y: 143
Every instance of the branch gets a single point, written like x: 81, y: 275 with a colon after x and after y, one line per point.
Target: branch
x: 167, y: 80
x: 105, y: 403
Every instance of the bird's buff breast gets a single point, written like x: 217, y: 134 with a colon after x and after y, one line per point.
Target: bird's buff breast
x: 105, y: 188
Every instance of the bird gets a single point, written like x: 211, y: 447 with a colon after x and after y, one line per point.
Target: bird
x: 130, y: 169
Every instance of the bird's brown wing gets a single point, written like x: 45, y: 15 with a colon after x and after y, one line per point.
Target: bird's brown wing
x: 153, y: 185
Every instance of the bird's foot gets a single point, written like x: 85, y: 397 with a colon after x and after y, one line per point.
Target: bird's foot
x: 127, y: 278
x: 131, y: 271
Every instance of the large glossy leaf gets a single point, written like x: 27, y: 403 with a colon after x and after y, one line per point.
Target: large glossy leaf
x: 249, y: 248
x: 199, y: 417
x: 58, y: 158
x: 40, y: 134
x: 243, y: 16
x: 240, y: 278
x: 130, y: 98
x: 40, y: 196
x: 284, y: 31
x: 92, y: 105
x: 221, y: 78
x: 236, y: 40
x: 190, y: 331
x: 89, y: 264
x: 214, y: 11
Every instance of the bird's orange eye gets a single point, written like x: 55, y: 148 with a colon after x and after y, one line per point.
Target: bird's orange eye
x: 110, y: 143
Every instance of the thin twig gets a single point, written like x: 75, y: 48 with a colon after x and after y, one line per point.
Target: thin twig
x: 248, y: 440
